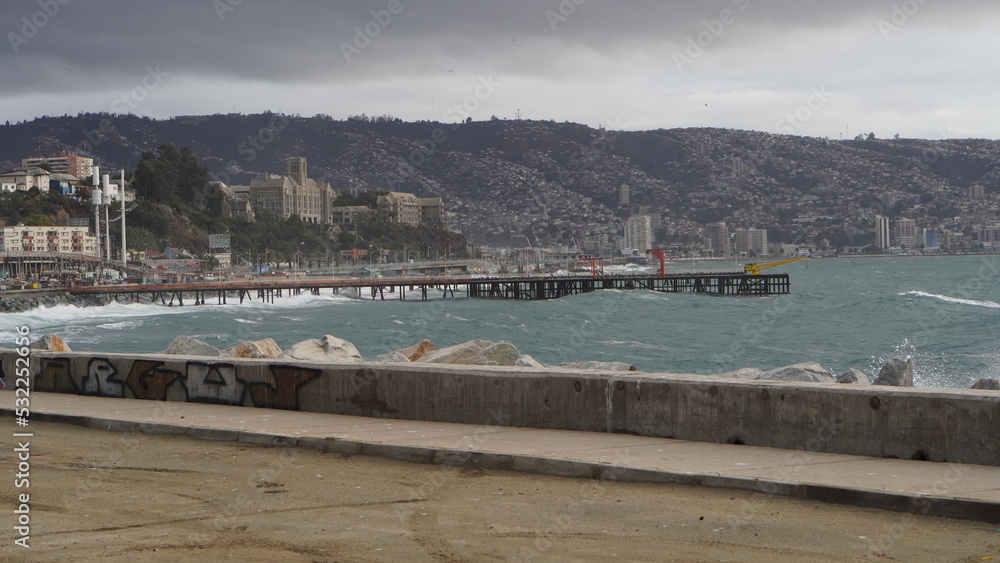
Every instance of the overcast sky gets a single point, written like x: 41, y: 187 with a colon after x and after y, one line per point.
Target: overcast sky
x: 919, y: 68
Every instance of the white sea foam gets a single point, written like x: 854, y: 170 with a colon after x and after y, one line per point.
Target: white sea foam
x: 973, y: 302
x: 120, y: 316
x: 60, y: 315
x: 121, y: 325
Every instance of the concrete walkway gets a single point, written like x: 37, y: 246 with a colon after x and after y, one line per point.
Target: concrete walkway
x: 941, y: 489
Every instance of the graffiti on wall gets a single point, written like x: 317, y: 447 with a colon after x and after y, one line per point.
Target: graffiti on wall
x: 274, y: 386
x: 54, y: 375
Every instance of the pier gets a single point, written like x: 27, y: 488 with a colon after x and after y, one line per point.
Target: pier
x: 729, y: 284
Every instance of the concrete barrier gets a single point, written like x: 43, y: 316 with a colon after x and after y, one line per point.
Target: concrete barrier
x: 909, y: 423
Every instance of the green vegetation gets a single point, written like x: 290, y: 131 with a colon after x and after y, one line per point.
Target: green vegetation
x: 185, y: 214
x: 35, y: 208
x: 170, y: 176
x: 177, y: 206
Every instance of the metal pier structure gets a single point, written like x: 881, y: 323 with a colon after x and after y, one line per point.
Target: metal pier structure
x: 724, y: 283
x: 734, y: 284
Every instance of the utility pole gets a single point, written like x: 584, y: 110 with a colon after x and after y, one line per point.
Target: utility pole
x: 121, y: 194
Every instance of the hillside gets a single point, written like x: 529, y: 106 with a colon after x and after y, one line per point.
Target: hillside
x: 558, y: 183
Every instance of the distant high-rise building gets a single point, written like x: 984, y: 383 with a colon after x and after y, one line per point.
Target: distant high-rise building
x: 990, y: 235
x: 718, y: 239
x: 906, y: 233
x: 932, y: 239
x: 638, y: 233
x: 882, y: 240
x: 70, y: 163
x: 751, y: 241
x: 976, y: 192
x: 623, y: 195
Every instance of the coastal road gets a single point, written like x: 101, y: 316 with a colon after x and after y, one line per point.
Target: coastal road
x: 98, y: 495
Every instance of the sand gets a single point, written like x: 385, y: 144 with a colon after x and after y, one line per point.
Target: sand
x: 98, y: 495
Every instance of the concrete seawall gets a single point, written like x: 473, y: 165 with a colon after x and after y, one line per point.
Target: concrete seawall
x: 909, y: 423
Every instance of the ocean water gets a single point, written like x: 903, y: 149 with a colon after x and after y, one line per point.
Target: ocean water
x: 943, y: 312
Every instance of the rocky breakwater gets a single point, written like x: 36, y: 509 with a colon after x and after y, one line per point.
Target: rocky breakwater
x: 11, y: 303
x: 330, y: 349
x: 896, y: 373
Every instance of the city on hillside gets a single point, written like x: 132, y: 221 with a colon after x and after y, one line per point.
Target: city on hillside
x: 519, y: 191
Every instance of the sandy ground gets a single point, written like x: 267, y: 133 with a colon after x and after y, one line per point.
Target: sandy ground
x: 99, y: 496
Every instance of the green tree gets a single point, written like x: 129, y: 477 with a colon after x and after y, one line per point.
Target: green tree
x: 171, y: 176
x: 37, y: 220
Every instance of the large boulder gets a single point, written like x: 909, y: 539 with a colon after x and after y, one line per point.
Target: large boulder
x: 393, y: 357
x: 328, y: 349
x: 502, y: 353
x: 474, y: 352
x: 742, y: 373
x: 187, y: 346
x: 418, y: 350
x: 854, y: 377
x: 897, y: 373
x: 604, y: 366
x: 466, y: 353
x: 988, y: 384
x: 809, y: 372
x: 265, y: 348
x: 51, y: 343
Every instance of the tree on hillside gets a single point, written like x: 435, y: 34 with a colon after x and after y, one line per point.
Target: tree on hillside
x: 167, y: 175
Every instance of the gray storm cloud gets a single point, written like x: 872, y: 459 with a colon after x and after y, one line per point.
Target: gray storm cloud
x: 648, y: 54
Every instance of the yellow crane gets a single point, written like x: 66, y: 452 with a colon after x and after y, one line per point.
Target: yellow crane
x: 754, y: 269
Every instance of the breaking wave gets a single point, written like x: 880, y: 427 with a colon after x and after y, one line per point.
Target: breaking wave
x: 973, y: 302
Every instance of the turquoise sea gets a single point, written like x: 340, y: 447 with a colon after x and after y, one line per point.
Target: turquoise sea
x: 843, y: 313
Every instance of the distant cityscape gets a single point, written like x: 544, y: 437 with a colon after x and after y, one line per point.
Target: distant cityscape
x: 501, y: 202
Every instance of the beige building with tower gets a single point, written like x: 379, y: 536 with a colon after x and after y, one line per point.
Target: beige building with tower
x: 295, y: 193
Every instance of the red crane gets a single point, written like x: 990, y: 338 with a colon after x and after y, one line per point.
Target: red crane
x: 662, y: 256
x: 596, y: 265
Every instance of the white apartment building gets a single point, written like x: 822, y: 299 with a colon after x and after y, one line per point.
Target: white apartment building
x: 882, y: 241
x: 638, y: 233
x: 70, y: 240
x: 751, y: 241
